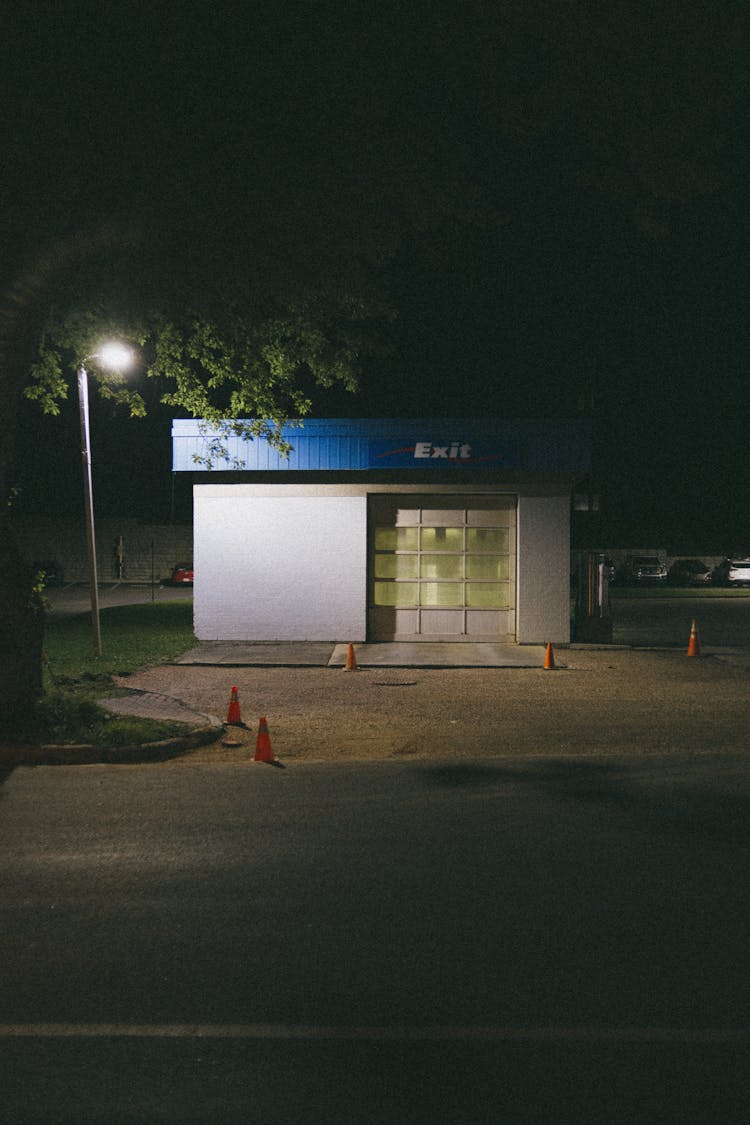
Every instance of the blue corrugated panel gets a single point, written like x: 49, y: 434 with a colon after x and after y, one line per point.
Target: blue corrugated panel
x: 541, y: 446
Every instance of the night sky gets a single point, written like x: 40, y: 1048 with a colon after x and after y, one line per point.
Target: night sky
x: 555, y: 201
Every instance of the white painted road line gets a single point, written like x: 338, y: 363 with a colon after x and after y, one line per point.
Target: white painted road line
x: 259, y: 1031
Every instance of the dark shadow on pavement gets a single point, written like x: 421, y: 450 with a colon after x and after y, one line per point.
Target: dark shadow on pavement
x: 684, y: 807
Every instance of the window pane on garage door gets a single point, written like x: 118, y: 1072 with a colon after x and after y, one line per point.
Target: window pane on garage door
x: 442, y: 538
x: 487, y: 595
x: 441, y: 566
x: 441, y: 593
x: 487, y: 539
x: 488, y: 566
x: 396, y: 593
x: 395, y: 566
x: 396, y: 538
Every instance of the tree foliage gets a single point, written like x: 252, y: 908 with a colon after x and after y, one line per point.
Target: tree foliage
x: 231, y: 354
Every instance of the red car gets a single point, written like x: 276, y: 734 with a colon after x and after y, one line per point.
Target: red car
x: 182, y: 575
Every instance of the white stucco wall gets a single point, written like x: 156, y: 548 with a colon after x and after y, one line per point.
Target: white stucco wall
x: 279, y: 567
x: 543, y: 610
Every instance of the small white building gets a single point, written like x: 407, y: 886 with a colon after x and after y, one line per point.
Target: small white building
x: 386, y: 530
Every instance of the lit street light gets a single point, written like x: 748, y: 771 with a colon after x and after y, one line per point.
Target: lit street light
x: 115, y: 357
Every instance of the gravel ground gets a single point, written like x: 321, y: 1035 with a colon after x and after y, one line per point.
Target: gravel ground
x: 612, y: 702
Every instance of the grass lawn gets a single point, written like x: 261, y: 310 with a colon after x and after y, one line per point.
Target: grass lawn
x: 133, y: 637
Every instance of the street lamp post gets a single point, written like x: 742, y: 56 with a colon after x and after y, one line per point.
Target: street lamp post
x: 115, y: 357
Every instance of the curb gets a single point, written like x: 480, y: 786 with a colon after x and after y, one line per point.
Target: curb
x: 82, y: 754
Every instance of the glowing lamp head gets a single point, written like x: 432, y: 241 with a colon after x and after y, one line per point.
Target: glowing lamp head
x: 115, y: 356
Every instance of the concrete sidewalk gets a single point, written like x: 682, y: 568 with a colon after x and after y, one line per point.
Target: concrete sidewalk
x: 157, y: 705
x: 403, y: 654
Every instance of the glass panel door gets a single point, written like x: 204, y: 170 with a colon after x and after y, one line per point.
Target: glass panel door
x: 452, y: 568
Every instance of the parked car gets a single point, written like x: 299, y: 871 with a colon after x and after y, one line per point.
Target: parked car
x: 689, y: 572
x: 733, y: 572
x: 182, y: 575
x: 643, y: 570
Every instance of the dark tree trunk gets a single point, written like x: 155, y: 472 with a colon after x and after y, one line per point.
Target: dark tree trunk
x: 21, y: 615
x: 22, y: 311
x: 21, y: 635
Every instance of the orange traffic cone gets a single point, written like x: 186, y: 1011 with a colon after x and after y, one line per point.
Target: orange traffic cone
x: 351, y: 660
x: 263, y: 751
x: 234, y: 718
x: 549, y: 657
x: 694, y: 648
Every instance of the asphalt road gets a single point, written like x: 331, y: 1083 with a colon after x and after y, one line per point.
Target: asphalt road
x: 490, y: 941
x: 722, y: 621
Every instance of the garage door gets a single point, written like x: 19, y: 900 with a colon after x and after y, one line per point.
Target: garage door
x: 442, y: 572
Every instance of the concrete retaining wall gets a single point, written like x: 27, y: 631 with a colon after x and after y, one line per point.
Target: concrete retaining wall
x: 148, y: 550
